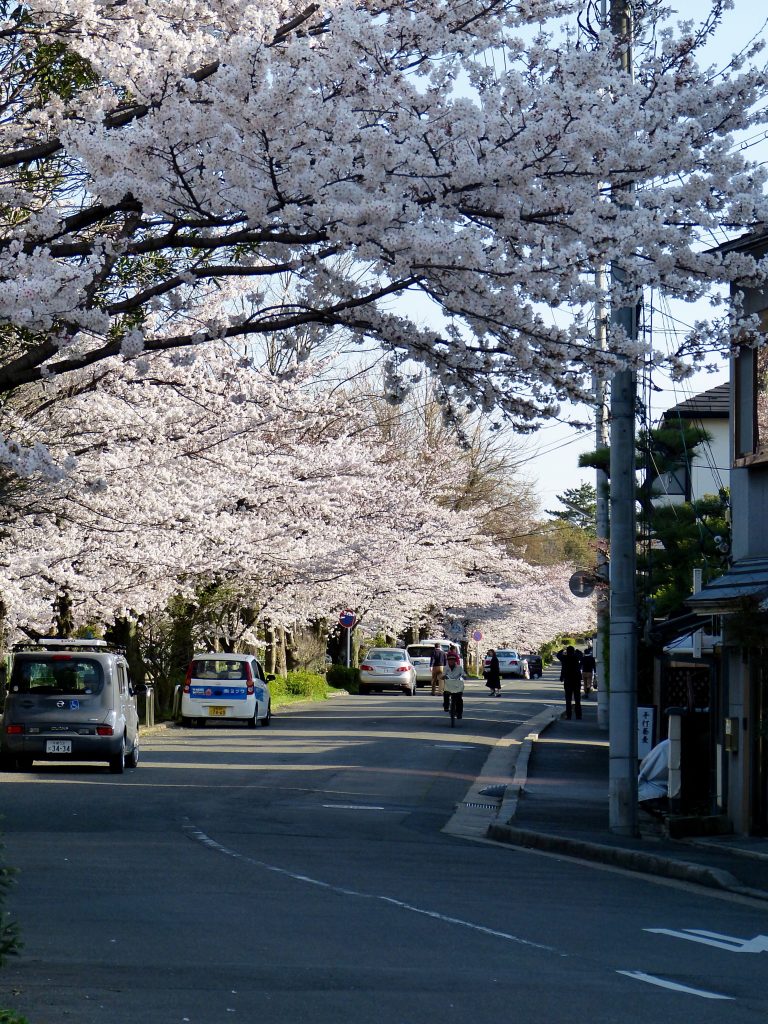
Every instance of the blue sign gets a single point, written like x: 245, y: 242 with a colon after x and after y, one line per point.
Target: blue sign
x: 230, y: 692
x: 347, y: 618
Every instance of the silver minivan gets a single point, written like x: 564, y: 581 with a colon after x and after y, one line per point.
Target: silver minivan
x: 69, y: 700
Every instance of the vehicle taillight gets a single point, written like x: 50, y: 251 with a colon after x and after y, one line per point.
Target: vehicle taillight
x: 104, y: 730
x: 14, y: 730
x: 249, y: 680
x: 61, y: 657
x: 366, y: 668
x: 404, y: 668
x: 188, y: 680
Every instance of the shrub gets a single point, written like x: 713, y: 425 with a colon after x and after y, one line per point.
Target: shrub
x: 10, y: 943
x: 9, y: 1017
x: 342, y: 678
x: 301, y: 685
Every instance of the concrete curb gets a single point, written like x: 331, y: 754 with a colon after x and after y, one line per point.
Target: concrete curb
x: 631, y: 860
x: 526, y: 736
x: 503, y: 830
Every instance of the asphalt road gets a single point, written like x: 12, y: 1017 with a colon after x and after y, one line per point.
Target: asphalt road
x: 303, y: 873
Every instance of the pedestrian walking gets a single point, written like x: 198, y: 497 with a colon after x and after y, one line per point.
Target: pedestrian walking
x: 588, y: 666
x: 437, y: 663
x: 570, y: 673
x: 493, y: 674
x: 453, y: 687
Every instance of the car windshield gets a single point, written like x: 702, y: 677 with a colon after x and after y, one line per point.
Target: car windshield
x: 385, y: 656
x: 56, y: 674
x: 506, y: 654
x: 210, y: 668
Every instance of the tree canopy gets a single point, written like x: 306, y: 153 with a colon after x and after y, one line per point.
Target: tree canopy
x: 165, y: 166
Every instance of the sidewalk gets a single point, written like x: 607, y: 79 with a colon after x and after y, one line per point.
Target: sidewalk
x: 559, y: 802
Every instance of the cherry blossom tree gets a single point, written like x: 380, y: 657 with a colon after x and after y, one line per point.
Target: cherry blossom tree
x: 164, y: 167
x: 174, y: 479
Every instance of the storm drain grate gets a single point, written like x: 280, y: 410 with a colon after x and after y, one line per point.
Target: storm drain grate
x: 487, y: 807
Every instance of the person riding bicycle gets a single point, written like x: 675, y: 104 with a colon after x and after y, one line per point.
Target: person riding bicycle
x: 453, y: 685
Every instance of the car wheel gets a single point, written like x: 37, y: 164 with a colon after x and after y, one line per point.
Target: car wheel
x: 252, y: 721
x: 363, y: 689
x: 132, y: 760
x: 187, y: 722
x: 24, y: 763
x: 117, y: 763
x: 7, y: 763
x: 267, y: 719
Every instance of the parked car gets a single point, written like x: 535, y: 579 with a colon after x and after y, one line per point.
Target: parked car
x: 69, y: 700
x: 420, y: 654
x: 535, y: 665
x: 226, y: 687
x: 387, y: 668
x: 510, y: 664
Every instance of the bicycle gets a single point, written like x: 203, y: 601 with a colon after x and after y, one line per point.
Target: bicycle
x: 455, y: 707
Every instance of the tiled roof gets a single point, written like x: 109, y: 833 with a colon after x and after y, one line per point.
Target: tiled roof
x: 712, y: 404
x: 747, y: 578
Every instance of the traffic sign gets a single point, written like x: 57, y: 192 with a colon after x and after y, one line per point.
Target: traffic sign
x: 582, y: 583
x: 477, y: 636
x: 347, y: 618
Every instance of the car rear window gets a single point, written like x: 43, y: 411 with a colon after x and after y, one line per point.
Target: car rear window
x: 385, y: 656
x: 56, y: 674
x: 213, y: 669
x: 506, y: 654
x: 425, y: 651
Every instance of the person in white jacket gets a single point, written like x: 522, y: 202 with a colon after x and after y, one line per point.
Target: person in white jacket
x: 453, y: 683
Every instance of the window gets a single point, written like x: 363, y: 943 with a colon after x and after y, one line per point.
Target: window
x: 56, y: 674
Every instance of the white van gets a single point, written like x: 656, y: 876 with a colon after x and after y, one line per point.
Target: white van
x: 420, y: 654
x: 225, y: 687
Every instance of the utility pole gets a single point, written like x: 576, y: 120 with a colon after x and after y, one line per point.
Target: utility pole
x: 622, y: 741
x: 602, y: 532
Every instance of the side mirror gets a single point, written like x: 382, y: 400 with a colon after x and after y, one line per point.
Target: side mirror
x: 271, y: 678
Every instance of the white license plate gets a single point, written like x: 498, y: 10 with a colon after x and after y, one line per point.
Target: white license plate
x: 58, y: 746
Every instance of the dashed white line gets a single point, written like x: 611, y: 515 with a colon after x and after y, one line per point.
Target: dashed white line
x: 201, y: 837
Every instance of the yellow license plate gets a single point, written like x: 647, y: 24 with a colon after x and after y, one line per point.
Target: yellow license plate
x: 217, y: 712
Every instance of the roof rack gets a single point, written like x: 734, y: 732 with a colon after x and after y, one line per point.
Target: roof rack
x: 56, y: 643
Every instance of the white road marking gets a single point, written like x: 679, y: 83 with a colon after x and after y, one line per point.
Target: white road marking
x: 201, y: 837
x: 354, y: 807
x: 662, y: 983
x: 734, y: 945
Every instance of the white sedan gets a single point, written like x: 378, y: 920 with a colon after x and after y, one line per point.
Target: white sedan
x: 510, y: 664
x: 387, y: 668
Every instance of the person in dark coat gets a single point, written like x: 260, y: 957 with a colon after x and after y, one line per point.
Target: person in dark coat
x: 437, y: 663
x: 493, y: 674
x: 570, y: 673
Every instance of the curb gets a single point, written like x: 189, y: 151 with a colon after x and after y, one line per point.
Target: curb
x: 532, y: 730
x: 503, y: 830
x: 632, y: 860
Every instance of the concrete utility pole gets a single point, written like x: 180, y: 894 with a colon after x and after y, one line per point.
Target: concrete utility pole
x: 622, y: 736
x: 602, y: 532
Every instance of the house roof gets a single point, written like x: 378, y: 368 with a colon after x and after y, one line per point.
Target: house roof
x: 709, y: 405
x: 747, y: 578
